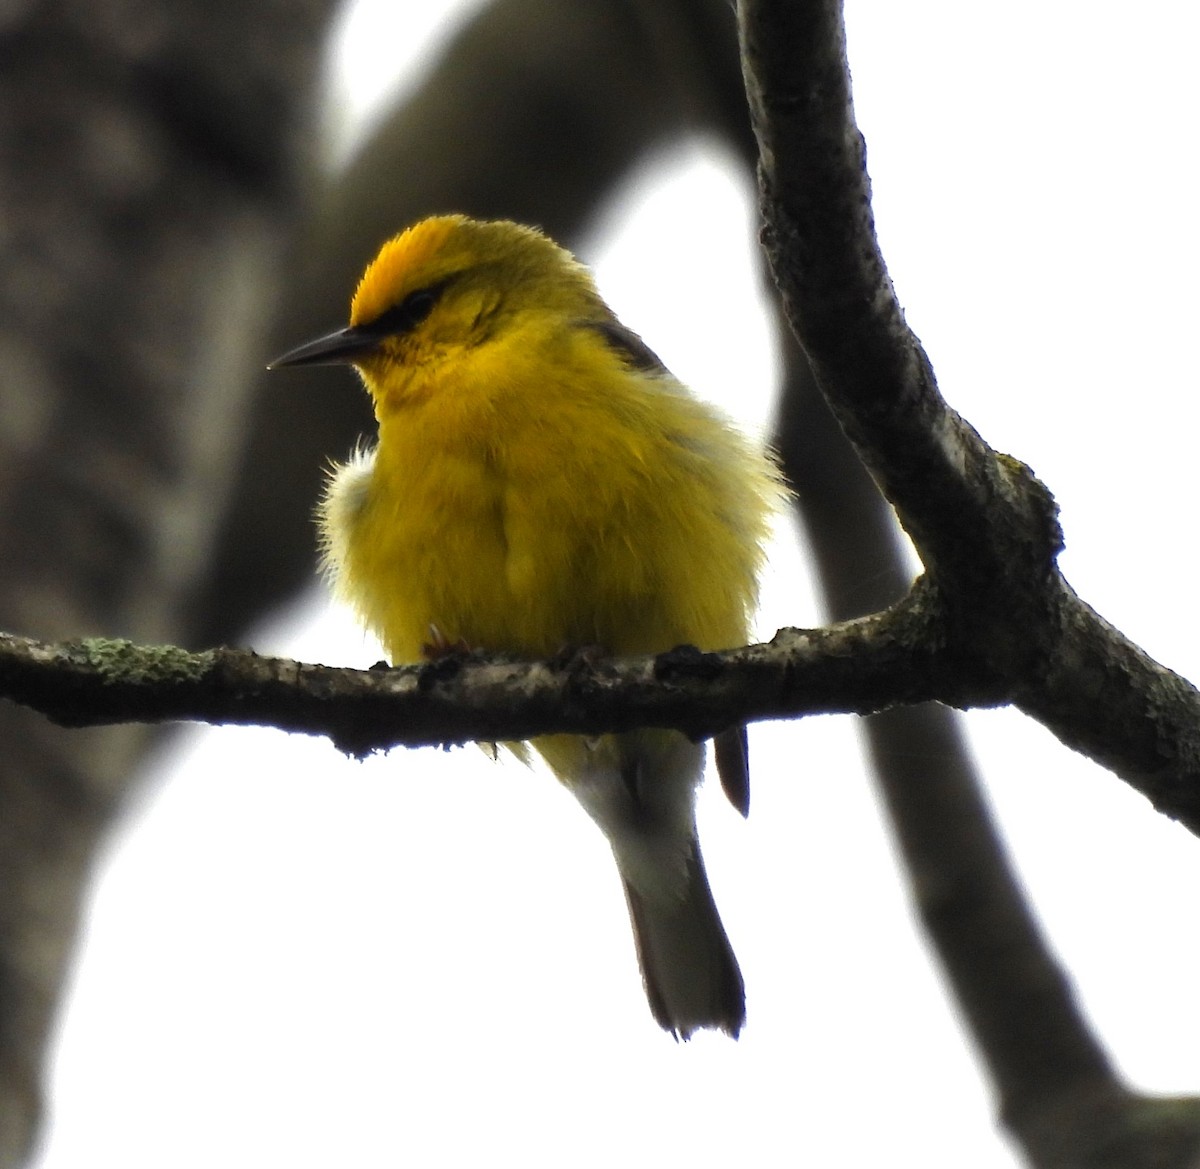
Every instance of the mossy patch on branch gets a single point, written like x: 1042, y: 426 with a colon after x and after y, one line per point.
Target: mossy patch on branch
x: 119, y: 660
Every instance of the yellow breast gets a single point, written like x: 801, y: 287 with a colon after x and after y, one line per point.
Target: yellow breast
x: 539, y: 494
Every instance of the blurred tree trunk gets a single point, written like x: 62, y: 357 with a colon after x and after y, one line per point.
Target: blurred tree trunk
x: 148, y: 185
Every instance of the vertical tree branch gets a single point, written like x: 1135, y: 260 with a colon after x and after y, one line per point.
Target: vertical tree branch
x: 1052, y: 1076
x: 968, y: 898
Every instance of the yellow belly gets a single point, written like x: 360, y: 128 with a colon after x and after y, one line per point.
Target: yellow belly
x: 551, y: 519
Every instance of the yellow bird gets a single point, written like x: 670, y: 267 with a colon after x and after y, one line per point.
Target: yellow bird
x: 542, y: 482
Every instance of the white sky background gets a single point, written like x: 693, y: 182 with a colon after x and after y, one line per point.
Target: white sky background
x: 294, y: 960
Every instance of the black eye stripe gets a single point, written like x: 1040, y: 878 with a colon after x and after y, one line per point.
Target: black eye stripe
x: 407, y: 315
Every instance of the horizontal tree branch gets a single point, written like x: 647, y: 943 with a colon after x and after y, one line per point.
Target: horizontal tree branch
x: 1108, y: 699
x: 1095, y: 690
x: 853, y: 667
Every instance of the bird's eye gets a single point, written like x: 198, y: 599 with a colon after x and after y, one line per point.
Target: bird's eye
x: 408, y: 314
x: 418, y: 305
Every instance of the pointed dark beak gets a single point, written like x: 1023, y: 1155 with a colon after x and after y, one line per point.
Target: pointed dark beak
x: 340, y: 348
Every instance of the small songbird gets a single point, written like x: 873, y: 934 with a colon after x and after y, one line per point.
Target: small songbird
x: 540, y: 483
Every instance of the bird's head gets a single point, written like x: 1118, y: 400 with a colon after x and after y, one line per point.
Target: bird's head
x: 446, y: 285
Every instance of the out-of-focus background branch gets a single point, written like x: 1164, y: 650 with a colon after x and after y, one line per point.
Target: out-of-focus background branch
x: 536, y: 110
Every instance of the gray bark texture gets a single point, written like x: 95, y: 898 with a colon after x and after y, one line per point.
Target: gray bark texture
x: 149, y: 163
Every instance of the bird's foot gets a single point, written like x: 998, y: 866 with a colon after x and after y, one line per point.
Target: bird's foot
x: 440, y: 646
